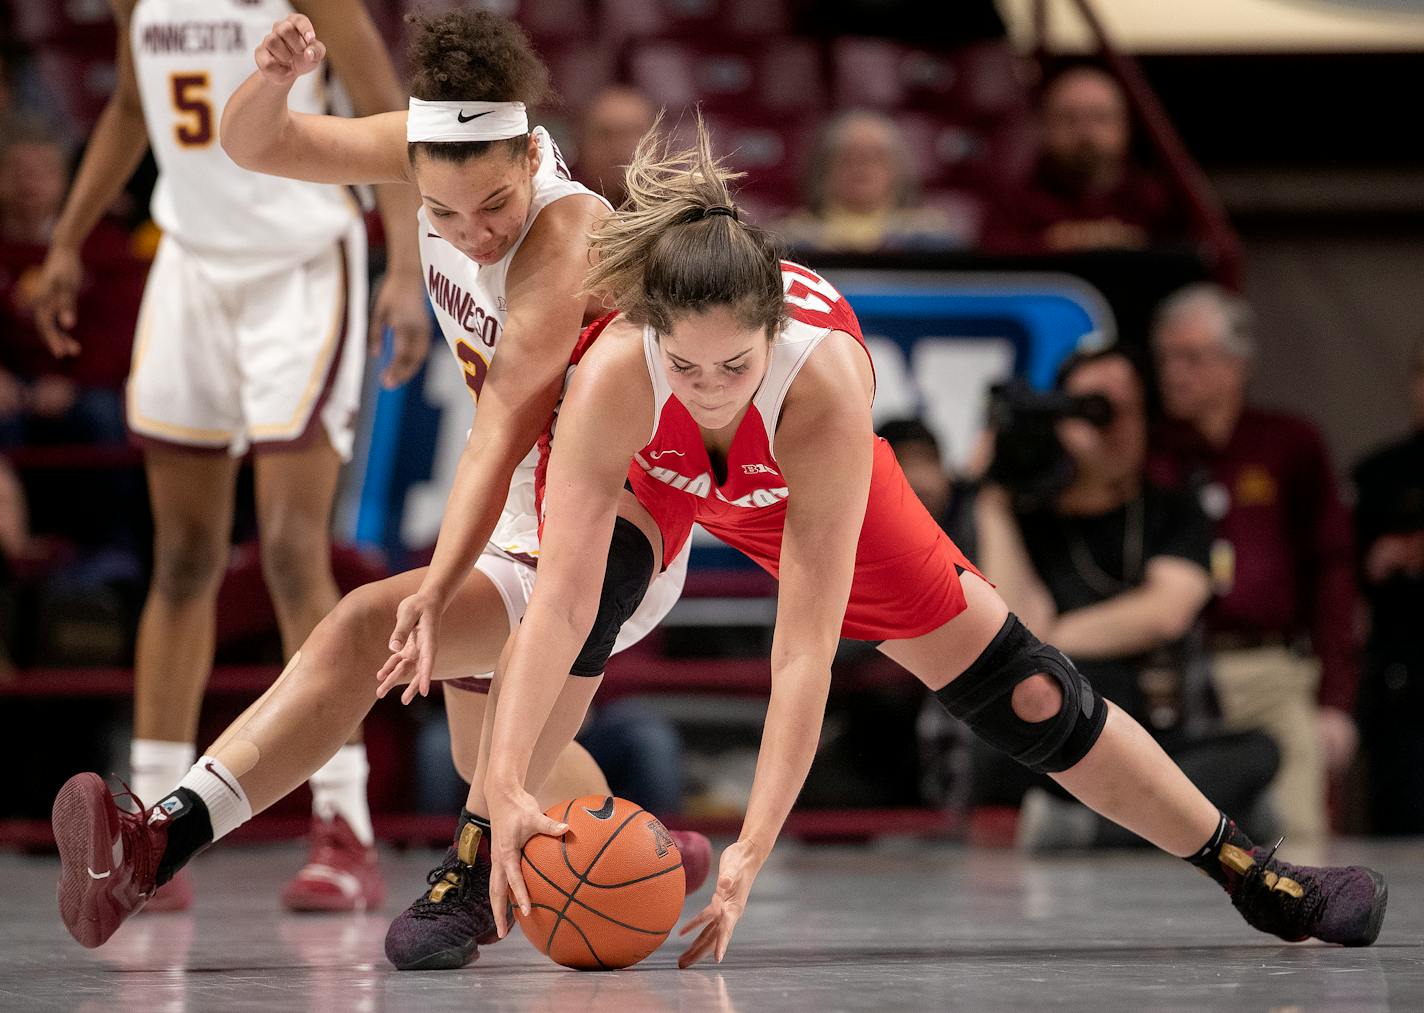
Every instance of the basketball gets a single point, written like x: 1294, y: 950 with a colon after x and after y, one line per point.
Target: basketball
x: 607, y: 893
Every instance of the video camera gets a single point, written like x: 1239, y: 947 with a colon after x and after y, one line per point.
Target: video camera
x: 1028, y: 459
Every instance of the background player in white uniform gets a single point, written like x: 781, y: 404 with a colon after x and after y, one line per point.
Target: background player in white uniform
x: 250, y: 336
x: 503, y: 233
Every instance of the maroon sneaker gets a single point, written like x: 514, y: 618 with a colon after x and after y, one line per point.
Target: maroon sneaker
x: 340, y: 874
x: 108, y: 857
x: 696, y: 853
x: 1334, y: 904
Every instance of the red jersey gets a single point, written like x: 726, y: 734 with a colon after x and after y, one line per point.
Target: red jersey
x: 906, y: 569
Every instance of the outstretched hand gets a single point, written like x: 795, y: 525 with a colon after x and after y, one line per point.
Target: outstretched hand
x: 735, y: 875
x: 412, y: 647
x: 512, y: 822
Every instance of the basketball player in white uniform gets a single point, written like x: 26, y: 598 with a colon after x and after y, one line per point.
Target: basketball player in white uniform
x: 502, y: 235
x: 250, y: 337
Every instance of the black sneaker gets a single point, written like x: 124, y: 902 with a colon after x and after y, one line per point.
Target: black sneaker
x: 445, y: 927
x: 1333, y: 904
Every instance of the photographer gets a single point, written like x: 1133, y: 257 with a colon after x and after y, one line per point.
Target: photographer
x: 1115, y: 572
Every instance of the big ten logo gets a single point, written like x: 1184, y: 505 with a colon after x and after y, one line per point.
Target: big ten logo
x: 662, y: 840
x: 944, y: 381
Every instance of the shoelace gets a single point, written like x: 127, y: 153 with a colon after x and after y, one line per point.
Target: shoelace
x: 424, y: 907
x: 133, y: 832
x: 1306, y: 907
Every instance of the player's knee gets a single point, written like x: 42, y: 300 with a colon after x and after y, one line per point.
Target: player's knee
x: 1037, y: 698
x: 1026, y: 698
x: 188, y: 562
x: 352, y: 638
x: 296, y: 561
x: 625, y: 582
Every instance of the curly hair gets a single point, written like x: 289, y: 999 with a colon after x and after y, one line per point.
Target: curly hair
x: 472, y: 55
x: 678, y: 246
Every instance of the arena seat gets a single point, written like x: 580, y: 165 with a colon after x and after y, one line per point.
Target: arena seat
x: 773, y: 152
x: 45, y: 24
x: 81, y: 77
x: 784, y: 75
x: 973, y: 83
x: 702, y: 19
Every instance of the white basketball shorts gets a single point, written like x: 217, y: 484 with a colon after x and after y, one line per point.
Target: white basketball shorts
x: 237, y: 353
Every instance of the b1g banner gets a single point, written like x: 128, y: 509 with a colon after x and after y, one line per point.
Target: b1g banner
x: 938, y: 340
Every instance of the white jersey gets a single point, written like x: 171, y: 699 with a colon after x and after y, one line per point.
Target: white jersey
x: 471, y: 305
x: 189, y: 56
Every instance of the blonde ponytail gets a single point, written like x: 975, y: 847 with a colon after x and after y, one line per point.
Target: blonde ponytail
x: 678, y: 246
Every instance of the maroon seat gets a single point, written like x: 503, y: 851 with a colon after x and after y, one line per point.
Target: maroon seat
x: 80, y: 78
x: 782, y: 74
x: 44, y: 24
x: 699, y: 19
x: 772, y: 151
x: 974, y: 83
x: 579, y: 71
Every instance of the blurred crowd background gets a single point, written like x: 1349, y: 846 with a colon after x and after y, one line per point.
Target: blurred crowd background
x: 1217, y: 510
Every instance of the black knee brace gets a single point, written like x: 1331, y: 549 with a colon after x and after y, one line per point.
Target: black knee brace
x: 982, y: 699
x: 625, y: 581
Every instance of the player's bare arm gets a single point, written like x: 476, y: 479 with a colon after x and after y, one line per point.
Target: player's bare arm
x: 359, y: 58
x: 516, y: 402
x: 260, y: 133
x: 114, y: 150
x: 824, y: 448
x: 603, y: 422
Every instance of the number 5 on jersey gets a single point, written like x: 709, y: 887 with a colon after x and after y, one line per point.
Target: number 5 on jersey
x: 194, y: 128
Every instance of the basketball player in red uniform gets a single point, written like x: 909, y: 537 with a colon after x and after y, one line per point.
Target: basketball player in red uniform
x: 740, y: 388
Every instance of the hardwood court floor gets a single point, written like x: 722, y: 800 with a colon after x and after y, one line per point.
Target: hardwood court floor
x: 895, y: 926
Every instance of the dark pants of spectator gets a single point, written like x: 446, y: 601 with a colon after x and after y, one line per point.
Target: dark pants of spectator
x: 640, y: 752
x: 1232, y: 770
x: 1391, y: 717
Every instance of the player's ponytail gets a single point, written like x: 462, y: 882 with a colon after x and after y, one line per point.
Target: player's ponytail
x: 472, y: 55
x: 678, y: 245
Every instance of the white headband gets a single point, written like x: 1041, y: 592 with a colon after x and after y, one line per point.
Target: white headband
x: 465, y: 121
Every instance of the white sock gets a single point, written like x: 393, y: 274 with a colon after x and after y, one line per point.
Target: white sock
x: 156, y: 766
x: 339, y: 789
x: 227, y: 803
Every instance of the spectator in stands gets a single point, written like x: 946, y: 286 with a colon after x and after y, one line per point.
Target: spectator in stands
x: 615, y: 120
x: 1115, y: 571
x: 43, y: 400
x: 1281, y: 626
x: 1389, y: 526
x: 1084, y: 192
x: 861, y: 193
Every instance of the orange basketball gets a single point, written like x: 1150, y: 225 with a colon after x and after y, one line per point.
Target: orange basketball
x: 607, y: 893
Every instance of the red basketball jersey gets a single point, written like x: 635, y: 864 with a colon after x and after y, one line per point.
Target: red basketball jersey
x: 906, y: 579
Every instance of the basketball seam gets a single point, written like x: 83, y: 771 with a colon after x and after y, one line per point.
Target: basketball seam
x: 593, y: 910
x: 574, y: 925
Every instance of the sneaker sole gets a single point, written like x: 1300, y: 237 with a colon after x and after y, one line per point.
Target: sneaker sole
x: 80, y: 822
x: 1372, y: 928
x: 451, y: 959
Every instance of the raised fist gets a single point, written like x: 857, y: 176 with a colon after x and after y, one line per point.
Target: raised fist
x: 290, y: 50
